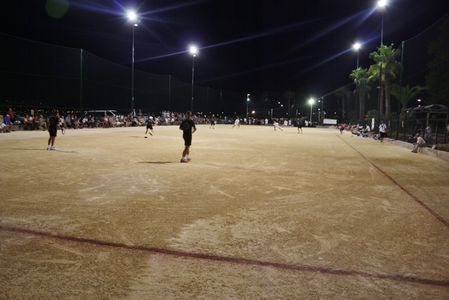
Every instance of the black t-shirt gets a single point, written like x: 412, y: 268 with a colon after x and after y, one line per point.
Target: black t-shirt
x: 186, y: 126
x: 53, y: 122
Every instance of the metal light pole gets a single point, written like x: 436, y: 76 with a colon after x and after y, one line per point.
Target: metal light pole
x: 247, y: 102
x: 356, y: 47
x: 381, y: 5
x: 311, y: 102
x: 132, y: 74
x: 193, y: 50
x: 133, y: 18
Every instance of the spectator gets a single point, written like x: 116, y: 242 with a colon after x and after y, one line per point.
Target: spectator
x: 428, y: 135
x: 11, y: 115
x: 3, y: 127
x: 382, y: 131
x: 420, y: 142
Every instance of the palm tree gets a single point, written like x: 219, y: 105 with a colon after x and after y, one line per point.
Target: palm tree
x: 343, y: 93
x: 361, y: 80
x: 406, y: 93
x: 385, y: 67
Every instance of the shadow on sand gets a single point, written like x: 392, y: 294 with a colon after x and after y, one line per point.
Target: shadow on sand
x: 158, y: 162
x: 40, y: 149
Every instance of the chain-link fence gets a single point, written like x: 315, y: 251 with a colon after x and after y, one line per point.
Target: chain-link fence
x: 419, y: 89
x: 36, y: 74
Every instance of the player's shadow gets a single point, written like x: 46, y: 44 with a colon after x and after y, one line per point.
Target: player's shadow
x: 40, y: 149
x: 27, y: 149
x: 158, y: 162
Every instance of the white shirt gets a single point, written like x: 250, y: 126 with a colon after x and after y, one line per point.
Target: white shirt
x: 382, y: 128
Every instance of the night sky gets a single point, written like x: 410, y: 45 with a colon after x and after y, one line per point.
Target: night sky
x: 246, y: 45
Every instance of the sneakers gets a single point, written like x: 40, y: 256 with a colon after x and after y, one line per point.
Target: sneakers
x: 184, y: 160
x: 48, y: 147
x: 52, y: 148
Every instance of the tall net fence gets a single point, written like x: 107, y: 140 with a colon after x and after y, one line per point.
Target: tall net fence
x: 35, y: 74
x: 424, y: 80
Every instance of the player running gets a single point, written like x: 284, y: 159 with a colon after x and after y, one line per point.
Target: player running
x: 236, y: 123
x: 188, y: 128
x: 276, y: 126
x: 299, y: 125
x: 212, y: 124
x: 150, y: 124
x: 53, y: 124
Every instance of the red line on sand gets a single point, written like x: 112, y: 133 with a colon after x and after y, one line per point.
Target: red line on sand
x: 231, y: 260
x: 420, y: 202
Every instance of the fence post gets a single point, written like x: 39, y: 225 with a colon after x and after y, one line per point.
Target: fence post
x: 436, y: 134
x: 169, y: 92
x: 81, y: 79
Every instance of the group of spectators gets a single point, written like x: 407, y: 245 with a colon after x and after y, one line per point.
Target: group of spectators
x: 37, y: 119
x: 357, y: 129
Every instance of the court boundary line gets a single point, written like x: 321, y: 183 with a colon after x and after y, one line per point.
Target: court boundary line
x: 231, y: 260
x: 414, y: 197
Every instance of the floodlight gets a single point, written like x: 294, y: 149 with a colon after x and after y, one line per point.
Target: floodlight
x: 131, y: 15
x: 357, y: 46
x: 193, y: 50
x: 381, y: 4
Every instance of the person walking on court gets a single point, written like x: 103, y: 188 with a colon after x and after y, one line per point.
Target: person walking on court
x: 150, y: 124
x: 276, y: 126
x: 299, y: 125
x: 382, y: 131
x: 188, y: 128
x: 53, y: 122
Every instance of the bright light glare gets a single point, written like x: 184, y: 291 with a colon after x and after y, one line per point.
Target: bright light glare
x: 131, y: 15
x: 382, y: 4
x: 253, y: 112
x: 311, y: 101
x: 193, y: 50
x: 357, y: 46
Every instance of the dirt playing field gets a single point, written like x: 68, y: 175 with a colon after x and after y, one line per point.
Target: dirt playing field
x: 256, y: 214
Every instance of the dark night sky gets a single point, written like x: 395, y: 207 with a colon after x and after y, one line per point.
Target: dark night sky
x: 279, y: 43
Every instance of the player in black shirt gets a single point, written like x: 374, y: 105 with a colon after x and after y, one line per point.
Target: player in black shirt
x: 150, y: 124
x: 53, y: 124
x: 188, y: 128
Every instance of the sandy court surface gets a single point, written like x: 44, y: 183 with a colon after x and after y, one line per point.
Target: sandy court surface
x: 256, y: 214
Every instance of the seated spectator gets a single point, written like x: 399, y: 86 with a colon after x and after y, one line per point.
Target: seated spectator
x: 6, y: 123
x: 420, y: 142
x: 42, y: 123
x: 36, y: 123
x: 11, y: 115
x: 27, y: 122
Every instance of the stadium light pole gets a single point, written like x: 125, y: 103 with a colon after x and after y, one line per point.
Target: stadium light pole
x: 356, y: 47
x: 193, y: 51
x: 133, y: 18
x: 311, y: 103
x: 247, y: 102
x: 382, y: 5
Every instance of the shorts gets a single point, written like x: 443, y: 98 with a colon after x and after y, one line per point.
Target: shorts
x: 150, y: 126
x: 187, y: 139
x: 299, y: 126
x: 53, y: 131
x: 383, y: 134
